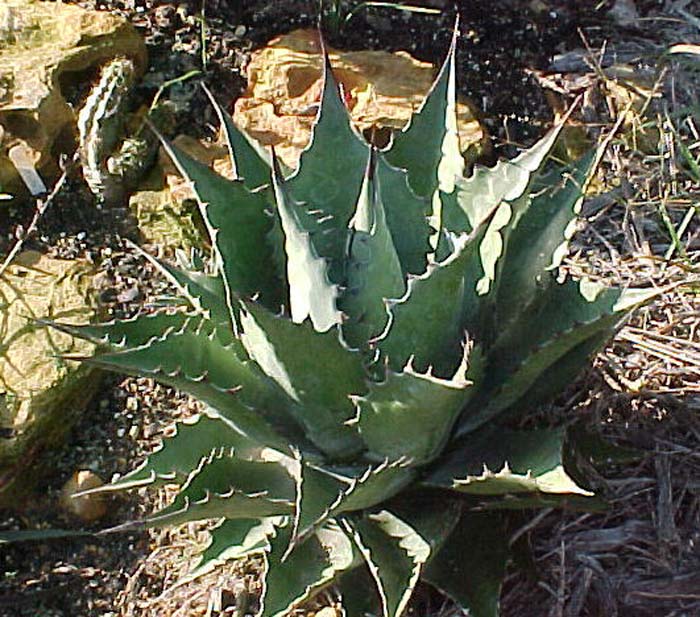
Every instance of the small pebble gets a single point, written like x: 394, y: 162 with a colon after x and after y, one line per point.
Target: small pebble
x: 86, y: 508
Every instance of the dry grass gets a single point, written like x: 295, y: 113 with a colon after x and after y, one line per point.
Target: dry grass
x: 641, y: 556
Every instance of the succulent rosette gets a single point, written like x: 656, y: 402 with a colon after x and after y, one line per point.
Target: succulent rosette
x: 376, y: 322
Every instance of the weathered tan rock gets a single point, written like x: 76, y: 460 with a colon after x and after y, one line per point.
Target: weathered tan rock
x: 380, y: 88
x: 164, y: 204
x: 47, y: 51
x: 166, y: 213
x: 40, y: 393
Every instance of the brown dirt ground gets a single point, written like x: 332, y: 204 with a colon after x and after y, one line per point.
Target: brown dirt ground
x: 518, y: 60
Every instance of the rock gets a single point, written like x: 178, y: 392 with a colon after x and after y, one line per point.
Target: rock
x: 163, y: 217
x: 47, y: 52
x: 164, y: 205
x: 41, y: 395
x: 86, y: 508
x: 380, y: 88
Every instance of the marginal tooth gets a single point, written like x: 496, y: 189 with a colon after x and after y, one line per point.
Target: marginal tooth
x: 409, y: 365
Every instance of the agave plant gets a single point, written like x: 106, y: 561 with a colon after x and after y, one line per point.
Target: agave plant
x: 375, y: 325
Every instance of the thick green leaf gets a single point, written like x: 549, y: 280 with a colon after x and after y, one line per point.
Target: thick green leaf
x: 238, y: 224
x: 196, y: 352
x: 560, y: 375
x: 329, y: 177
x: 539, y: 236
x: 560, y: 308
x: 182, y: 452
x: 454, y: 220
x: 373, y: 485
x: 311, y: 293
x: 221, y: 470
x: 411, y: 414
x: 532, y: 501
x: 129, y: 333
x: 292, y: 578
x: 406, y: 216
x: 498, y: 187
x: 250, y: 163
x: 470, y: 566
x: 233, y: 539
x: 223, y: 485
x: 431, y: 342
x: 507, y: 181
x: 394, y: 553
x: 285, y: 352
x: 276, y: 239
x: 356, y: 600
x: 445, y: 293
x: 417, y: 509
x: 428, y: 147
x: 195, y: 361
x: 213, y: 505
x: 325, y: 493
x: 566, y: 315
x: 317, y: 490
x: 397, y: 541
x: 373, y: 268
x: 497, y: 461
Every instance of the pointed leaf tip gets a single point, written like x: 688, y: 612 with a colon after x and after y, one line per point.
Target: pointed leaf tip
x: 373, y: 267
x: 249, y: 161
x: 311, y: 293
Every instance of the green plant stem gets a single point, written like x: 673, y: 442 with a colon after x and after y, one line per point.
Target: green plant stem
x: 171, y: 82
x: 679, y: 233
x: 675, y: 240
